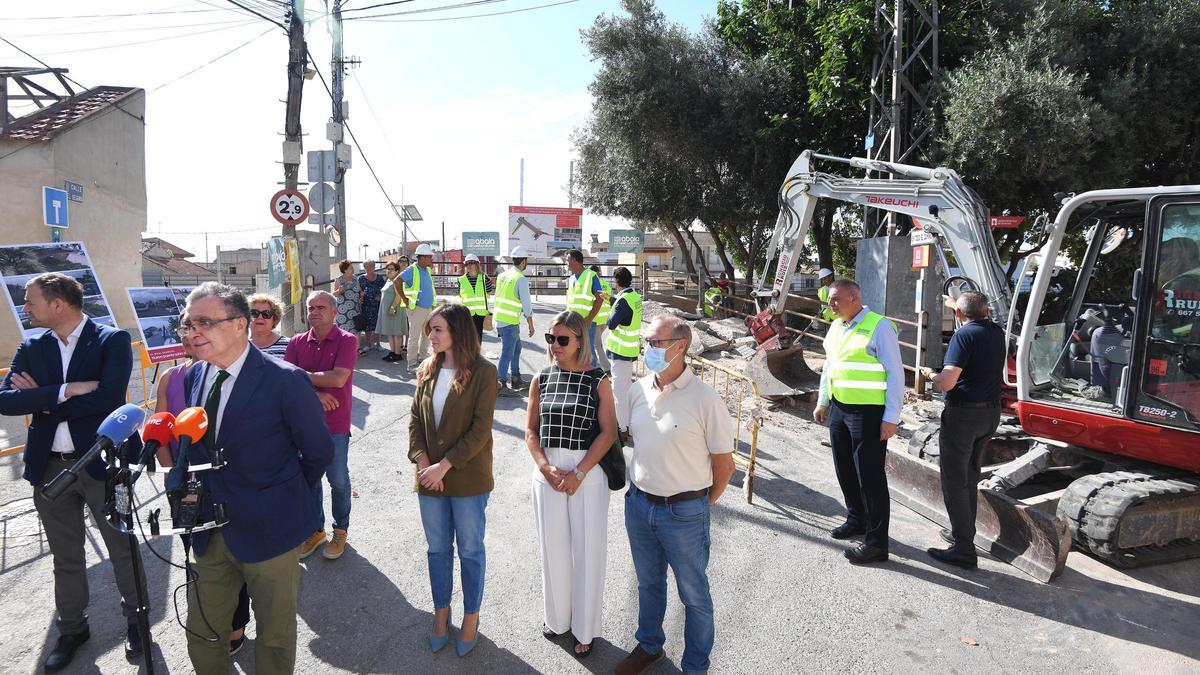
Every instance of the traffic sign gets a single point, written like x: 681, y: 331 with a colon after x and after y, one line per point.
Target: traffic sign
x: 54, y: 207
x: 321, y: 197
x: 289, y: 207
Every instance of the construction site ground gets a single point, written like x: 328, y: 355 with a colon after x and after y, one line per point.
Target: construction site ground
x: 785, y: 599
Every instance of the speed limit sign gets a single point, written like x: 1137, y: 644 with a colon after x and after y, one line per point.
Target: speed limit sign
x: 289, y: 207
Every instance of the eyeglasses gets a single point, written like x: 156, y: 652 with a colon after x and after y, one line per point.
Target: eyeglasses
x: 562, y: 340
x: 200, y: 325
x: 662, y: 343
x: 262, y: 314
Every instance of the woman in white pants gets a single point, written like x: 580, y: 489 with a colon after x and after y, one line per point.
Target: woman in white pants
x: 569, y: 426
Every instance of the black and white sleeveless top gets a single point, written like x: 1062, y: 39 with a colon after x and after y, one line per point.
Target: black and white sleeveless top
x: 568, y: 407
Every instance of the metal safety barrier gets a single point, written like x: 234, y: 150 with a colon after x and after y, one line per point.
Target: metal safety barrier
x: 740, y: 393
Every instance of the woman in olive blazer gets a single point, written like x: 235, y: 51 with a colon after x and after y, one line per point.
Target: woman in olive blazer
x: 450, y: 441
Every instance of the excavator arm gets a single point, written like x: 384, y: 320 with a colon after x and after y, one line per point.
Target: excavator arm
x: 936, y: 199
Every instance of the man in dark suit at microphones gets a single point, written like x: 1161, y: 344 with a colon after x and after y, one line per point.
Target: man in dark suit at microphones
x: 267, y: 429
x: 68, y: 379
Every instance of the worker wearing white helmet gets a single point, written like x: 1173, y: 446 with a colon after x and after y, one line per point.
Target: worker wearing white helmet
x: 825, y: 279
x: 473, y: 291
x: 418, y: 283
x: 513, y: 302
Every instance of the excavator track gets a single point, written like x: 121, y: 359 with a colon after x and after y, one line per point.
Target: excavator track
x: 1132, y: 519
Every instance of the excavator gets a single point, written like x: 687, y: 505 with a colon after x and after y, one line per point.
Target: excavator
x: 1100, y: 449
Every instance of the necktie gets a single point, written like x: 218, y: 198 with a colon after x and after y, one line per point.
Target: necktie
x: 212, y: 405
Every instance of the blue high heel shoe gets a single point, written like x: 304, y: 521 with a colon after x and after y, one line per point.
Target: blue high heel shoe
x: 463, y: 648
x: 437, y: 643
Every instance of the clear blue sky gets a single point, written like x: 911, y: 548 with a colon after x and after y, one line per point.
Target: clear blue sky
x: 453, y: 106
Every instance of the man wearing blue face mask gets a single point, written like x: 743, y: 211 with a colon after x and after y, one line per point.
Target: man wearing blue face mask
x: 681, y: 462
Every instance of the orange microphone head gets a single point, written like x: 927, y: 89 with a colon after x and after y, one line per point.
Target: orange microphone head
x: 191, y: 424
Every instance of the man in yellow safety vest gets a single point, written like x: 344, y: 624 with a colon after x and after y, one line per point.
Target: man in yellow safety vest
x: 513, y: 302
x: 585, y: 295
x: 824, y: 279
x: 862, y: 388
x: 624, y: 342
x: 602, y: 320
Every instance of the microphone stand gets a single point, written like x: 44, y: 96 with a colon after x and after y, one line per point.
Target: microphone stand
x: 121, y: 511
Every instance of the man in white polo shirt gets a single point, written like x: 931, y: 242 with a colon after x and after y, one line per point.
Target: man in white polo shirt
x: 682, y: 460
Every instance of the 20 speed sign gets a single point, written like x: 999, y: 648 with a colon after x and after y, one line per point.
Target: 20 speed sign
x: 289, y: 207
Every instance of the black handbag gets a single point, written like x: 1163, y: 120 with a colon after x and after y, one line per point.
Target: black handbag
x: 613, y: 461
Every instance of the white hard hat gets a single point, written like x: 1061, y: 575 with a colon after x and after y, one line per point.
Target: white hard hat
x: 518, y: 252
x: 424, y: 249
x: 825, y: 272
x: 471, y: 258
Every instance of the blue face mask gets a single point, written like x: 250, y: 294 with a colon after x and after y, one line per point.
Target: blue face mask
x: 655, y: 359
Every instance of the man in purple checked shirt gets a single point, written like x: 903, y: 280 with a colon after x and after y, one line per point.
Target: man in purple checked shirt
x: 328, y: 354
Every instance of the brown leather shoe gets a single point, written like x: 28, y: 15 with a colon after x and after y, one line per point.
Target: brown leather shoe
x: 637, y: 661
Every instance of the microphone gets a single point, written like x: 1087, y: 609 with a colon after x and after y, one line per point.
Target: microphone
x: 118, y: 426
x: 158, y: 432
x: 190, y: 426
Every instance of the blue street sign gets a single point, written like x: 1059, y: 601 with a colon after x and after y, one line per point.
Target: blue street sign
x: 54, y: 207
x: 74, y: 191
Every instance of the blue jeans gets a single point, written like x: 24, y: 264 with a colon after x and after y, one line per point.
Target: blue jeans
x: 675, y: 535
x: 338, y: 474
x: 447, y: 519
x: 592, y: 342
x: 510, y: 350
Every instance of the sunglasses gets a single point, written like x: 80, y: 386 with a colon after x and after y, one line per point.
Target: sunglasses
x: 562, y: 340
x: 262, y: 314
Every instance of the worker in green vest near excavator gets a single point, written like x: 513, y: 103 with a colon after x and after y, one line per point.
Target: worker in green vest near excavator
x: 512, y: 303
x: 862, y: 389
x: 824, y: 280
x: 585, y: 295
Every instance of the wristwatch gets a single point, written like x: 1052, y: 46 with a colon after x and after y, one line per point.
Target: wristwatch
x: 579, y: 475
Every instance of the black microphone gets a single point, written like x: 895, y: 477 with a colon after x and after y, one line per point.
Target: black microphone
x: 118, y: 426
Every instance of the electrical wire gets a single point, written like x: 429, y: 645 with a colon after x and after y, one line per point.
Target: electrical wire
x: 472, y: 3
x: 358, y: 147
x: 240, y: 24
x: 261, y: 16
x: 103, y: 16
x: 213, y: 60
x: 476, y: 16
x: 381, y: 4
x: 132, y: 30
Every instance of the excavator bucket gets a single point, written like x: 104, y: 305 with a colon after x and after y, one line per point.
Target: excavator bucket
x: 1034, y: 541
x: 781, y: 372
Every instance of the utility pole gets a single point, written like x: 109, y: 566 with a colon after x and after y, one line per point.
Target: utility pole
x: 336, y: 129
x: 571, y: 185
x: 293, y: 148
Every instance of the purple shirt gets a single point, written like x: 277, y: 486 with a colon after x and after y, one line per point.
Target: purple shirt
x: 339, y: 349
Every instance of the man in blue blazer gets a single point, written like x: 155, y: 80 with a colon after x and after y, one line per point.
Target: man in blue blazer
x: 266, y: 418
x: 69, y: 378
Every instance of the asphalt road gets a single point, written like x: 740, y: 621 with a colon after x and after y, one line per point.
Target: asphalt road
x: 786, y: 601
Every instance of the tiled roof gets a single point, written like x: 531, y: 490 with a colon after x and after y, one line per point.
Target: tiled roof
x: 45, y: 123
x: 167, y: 247
x: 178, y: 265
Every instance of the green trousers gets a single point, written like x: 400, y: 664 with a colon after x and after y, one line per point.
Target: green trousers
x: 273, y: 585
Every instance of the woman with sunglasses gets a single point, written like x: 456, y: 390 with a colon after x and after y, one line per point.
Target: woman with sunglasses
x: 570, y: 423
x: 265, y: 313
x: 450, y: 441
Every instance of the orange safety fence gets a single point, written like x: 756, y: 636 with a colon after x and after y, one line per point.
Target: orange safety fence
x: 147, y: 402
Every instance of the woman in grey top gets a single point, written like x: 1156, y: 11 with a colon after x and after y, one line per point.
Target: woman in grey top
x: 346, y: 290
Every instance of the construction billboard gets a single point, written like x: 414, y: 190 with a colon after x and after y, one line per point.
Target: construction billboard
x: 544, y: 231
